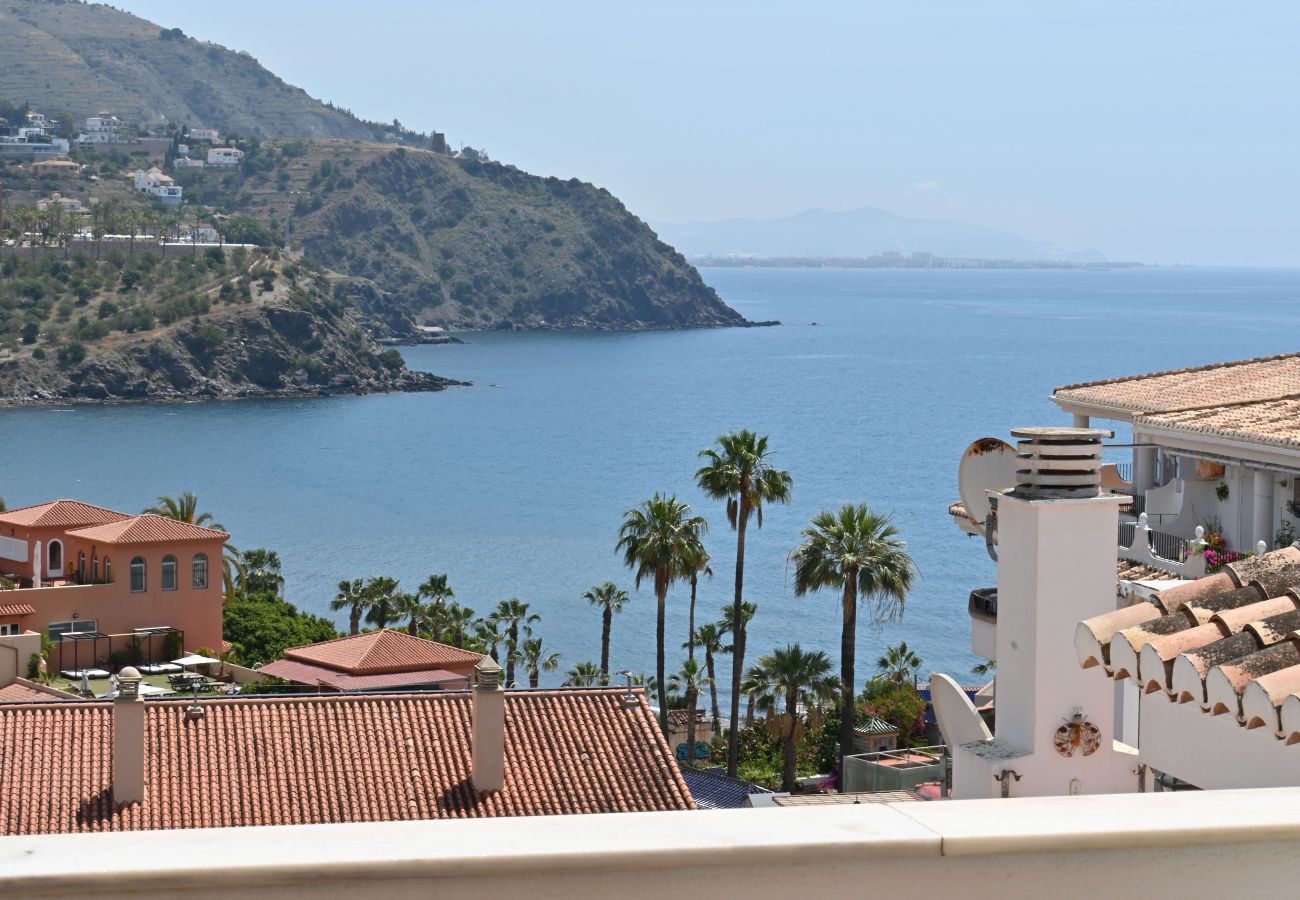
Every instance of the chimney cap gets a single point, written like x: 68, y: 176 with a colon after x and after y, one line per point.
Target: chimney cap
x: 488, y: 673
x: 128, y: 683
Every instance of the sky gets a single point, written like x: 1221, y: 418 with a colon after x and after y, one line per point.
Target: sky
x: 1156, y: 131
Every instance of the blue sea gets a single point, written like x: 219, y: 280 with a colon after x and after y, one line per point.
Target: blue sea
x: 870, y: 391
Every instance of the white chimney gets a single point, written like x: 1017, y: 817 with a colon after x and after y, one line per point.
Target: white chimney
x: 1056, y: 534
x: 488, y: 728
x: 128, y: 738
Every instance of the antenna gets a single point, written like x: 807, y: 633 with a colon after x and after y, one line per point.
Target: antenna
x: 989, y: 464
x: 630, y: 697
x: 194, y: 711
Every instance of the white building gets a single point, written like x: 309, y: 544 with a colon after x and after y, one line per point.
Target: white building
x: 225, y: 156
x: 68, y: 204
x: 103, y: 129
x: 157, y: 185
x: 203, y: 134
x: 185, y: 162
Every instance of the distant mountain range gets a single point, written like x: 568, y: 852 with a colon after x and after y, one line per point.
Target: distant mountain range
x: 863, y: 232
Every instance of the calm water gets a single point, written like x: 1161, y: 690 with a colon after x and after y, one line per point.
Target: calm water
x: 517, y: 486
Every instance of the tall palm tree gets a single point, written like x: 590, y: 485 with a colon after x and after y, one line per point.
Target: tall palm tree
x: 352, y: 596
x: 709, y: 637
x: 898, y: 663
x: 800, y: 678
x: 756, y: 684
x: 185, y: 508
x: 435, y: 588
x: 514, y: 617
x: 584, y: 674
x: 383, y: 593
x: 689, y: 680
x: 697, y: 565
x: 459, y: 620
x: 858, y: 553
x: 418, y: 615
x: 658, y: 539
x: 611, y: 599
x: 536, y: 660
x: 488, y: 633
x: 738, y: 472
x: 261, y: 572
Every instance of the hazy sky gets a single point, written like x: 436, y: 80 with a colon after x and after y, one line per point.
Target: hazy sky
x: 1152, y: 130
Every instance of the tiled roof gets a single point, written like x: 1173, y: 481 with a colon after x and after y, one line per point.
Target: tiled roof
x: 148, y: 529
x: 1274, y: 421
x: 334, y: 758
x: 713, y: 789
x: 382, y: 652
x: 311, y: 674
x: 17, y: 609
x: 1228, y: 643
x: 61, y: 514
x: 18, y: 692
x: 1131, y: 571
x: 1219, y: 384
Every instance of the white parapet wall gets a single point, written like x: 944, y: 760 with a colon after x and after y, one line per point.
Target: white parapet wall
x: 1226, y: 843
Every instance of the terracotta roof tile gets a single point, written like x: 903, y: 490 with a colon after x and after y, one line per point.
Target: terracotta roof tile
x: 336, y: 758
x: 382, y: 652
x: 17, y: 609
x: 18, y: 692
x: 61, y: 514
x: 1131, y: 571
x: 148, y: 529
x: 307, y: 673
x: 1201, y: 387
x: 1228, y: 644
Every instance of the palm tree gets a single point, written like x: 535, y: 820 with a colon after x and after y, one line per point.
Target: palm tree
x: 898, y: 663
x: 418, y: 615
x: 697, y: 565
x: 459, y: 619
x: 709, y: 638
x: 584, y: 674
x: 488, y: 633
x: 383, y: 592
x: 352, y: 596
x: 738, y: 471
x: 513, y: 615
x: 858, y: 553
x: 261, y: 572
x: 756, y: 684
x: 801, y: 678
x: 435, y: 587
x: 185, y: 508
x: 611, y: 600
x: 689, y: 681
x: 658, y: 540
x: 536, y: 660
x: 980, y: 670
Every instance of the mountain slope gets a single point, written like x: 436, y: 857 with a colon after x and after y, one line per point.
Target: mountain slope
x: 78, y: 58
x: 853, y: 233
x: 464, y: 244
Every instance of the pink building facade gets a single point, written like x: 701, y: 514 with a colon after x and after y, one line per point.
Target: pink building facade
x: 81, y: 568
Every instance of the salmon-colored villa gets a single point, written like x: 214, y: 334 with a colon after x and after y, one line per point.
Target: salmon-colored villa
x: 80, y: 569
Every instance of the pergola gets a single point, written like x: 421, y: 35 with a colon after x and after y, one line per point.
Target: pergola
x: 77, y: 637
x: 160, y: 630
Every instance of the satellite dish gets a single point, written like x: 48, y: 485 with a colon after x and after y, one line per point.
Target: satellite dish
x: 988, y: 464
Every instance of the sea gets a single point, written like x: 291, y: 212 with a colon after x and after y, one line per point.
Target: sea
x: 870, y: 390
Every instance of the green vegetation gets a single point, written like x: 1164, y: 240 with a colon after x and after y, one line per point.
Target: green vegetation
x: 738, y: 471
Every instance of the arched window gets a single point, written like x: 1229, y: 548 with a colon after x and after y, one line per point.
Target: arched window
x: 169, y: 573
x: 81, y: 566
x: 108, y: 570
x: 94, y: 567
x: 56, y: 557
x: 138, y: 584
x: 200, y: 571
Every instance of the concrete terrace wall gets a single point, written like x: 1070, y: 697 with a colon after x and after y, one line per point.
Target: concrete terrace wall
x: 1227, y: 843
x: 141, y: 248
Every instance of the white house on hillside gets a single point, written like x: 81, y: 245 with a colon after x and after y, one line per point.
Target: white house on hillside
x: 204, y: 134
x: 103, y: 129
x: 157, y: 185
x: 225, y: 156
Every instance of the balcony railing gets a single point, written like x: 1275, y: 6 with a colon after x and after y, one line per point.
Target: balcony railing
x: 1139, y: 543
